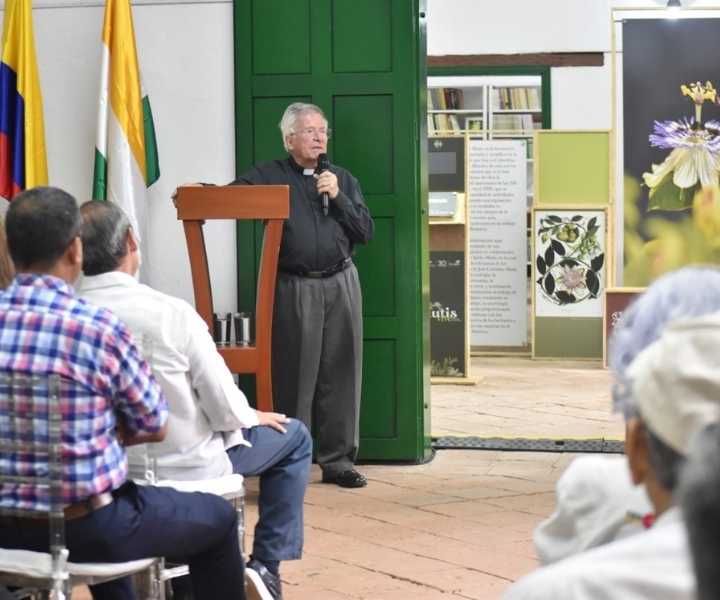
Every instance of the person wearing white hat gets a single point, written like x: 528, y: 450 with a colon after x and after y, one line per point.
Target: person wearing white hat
x: 596, y: 501
x: 671, y: 394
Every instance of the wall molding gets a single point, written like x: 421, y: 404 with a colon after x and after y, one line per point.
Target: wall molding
x: 547, y: 59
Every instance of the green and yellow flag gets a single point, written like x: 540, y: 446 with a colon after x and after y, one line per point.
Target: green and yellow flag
x: 126, y: 157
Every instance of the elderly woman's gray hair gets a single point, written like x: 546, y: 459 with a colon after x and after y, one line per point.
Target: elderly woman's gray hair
x: 689, y: 292
x: 290, y: 117
x: 678, y: 296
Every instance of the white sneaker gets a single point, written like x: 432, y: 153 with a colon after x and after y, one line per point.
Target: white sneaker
x: 254, y: 587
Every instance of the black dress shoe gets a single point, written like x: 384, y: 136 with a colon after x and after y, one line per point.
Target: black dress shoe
x: 349, y: 478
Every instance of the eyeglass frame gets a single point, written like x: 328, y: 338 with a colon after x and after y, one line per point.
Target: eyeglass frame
x: 311, y: 131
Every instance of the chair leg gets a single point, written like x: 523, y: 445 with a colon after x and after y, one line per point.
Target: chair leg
x: 239, y: 504
x: 148, y: 583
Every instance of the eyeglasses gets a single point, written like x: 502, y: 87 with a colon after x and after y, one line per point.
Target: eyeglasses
x: 313, y: 132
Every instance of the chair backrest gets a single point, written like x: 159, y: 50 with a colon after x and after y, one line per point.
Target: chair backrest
x: 142, y: 464
x: 31, y: 458
x: 269, y: 203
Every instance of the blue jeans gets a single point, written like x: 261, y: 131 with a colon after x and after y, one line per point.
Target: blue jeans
x: 282, y: 460
x: 145, y: 521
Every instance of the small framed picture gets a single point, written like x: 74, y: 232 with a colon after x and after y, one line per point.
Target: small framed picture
x: 569, y: 261
x: 474, y: 124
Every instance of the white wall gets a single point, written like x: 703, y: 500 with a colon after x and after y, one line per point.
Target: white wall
x: 581, y: 96
x: 186, y: 58
x: 526, y: 26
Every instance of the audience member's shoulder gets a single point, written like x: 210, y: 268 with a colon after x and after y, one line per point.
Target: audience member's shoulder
x: 168, y: 302
x: 179, y: 305
x: 106, y: 324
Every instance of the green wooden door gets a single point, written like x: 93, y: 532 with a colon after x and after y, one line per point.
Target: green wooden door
x: 363, y: 62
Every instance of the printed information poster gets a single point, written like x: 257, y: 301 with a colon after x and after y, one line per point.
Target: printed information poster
x: 447, y: 314
x: 497, y: 224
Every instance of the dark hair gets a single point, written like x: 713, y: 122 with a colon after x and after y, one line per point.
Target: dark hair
x: 40, y: 225
x: 104, y: 236
x: 700, y: 501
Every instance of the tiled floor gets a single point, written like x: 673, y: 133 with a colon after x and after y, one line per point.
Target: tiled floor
x: 459, y: 526
x: 520, y: 397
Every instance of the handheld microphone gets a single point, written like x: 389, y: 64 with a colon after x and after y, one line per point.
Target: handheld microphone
x: 323, y: 165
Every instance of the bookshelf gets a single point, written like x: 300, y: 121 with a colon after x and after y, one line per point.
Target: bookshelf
x: 509, y: 106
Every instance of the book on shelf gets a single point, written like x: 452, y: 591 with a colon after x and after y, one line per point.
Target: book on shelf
x: 515, y: 98
x: 514, y: 122
x: 474, y: 124
x: 445, y: 99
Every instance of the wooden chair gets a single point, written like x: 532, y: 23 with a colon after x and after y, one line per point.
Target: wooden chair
x: 270, y: 203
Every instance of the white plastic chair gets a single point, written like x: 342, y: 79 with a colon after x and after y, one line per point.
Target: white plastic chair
x: 143, y: 469
x: 230, y: 487
x: 30, y: 421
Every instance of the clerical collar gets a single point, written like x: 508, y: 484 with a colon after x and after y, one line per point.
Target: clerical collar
x: 299, y: 168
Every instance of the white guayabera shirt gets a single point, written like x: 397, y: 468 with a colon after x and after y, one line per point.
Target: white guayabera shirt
x: 596, y: 503
x: 207, y: 410
x: 654, y: 564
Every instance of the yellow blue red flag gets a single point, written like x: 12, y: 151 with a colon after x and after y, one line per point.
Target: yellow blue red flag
x: 23, y: 159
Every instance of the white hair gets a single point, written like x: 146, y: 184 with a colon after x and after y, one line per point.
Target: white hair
x: 692, y: 291
x: 291, y: 115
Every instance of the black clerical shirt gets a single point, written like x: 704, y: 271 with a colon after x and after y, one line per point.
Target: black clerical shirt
x: 312, y: 241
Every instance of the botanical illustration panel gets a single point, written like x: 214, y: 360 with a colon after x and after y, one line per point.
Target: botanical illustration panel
x: 671, y: 146
x: 570, y: 265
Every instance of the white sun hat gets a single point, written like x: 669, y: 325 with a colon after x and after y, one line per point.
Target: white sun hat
x: 675, y: 381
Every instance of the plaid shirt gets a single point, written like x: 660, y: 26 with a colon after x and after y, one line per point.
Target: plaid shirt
x: 45, y: 329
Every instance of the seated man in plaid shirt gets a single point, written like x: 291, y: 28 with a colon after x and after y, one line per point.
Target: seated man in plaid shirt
x: 109, y: 400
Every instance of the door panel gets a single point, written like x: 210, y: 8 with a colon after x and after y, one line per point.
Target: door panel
x: 364, y: 137
x: 363, y: 63
x: 361, y: 36
x: 290, y: 53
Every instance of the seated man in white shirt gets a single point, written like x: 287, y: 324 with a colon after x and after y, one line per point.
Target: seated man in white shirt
x: 672, y: 393
x: 596, y: 501
x: 212, y: 431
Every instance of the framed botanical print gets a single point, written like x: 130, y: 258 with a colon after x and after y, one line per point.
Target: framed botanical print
x: 569, y: 261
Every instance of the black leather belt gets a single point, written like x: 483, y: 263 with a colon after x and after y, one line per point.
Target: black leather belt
x: 329, y: 272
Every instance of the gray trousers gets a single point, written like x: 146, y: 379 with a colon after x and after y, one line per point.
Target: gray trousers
x: 317, y: 361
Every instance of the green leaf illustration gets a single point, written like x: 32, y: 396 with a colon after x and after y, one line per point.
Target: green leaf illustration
x: 549, y: 256
x: 592, y: 282
x: 549, y: 284
x: 565, y: 298
x: 541, y: 266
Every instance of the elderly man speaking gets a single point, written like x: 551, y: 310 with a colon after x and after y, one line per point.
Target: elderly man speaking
x: 317, y: 325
